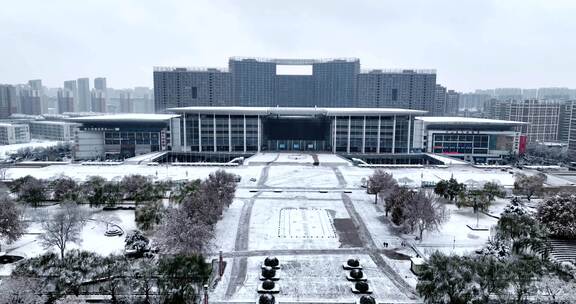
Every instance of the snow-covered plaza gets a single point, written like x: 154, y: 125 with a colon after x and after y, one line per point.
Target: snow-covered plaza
x: 312, y: 218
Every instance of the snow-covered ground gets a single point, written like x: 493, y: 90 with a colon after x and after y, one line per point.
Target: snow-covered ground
x: 312, y: 279
x: 6, y: 150
x: 301, y: 177
x: 296, y: 158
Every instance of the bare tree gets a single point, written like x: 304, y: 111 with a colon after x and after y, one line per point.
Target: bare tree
x: 425, y: 212
x: 21, y: 290
x: 12, y: 225
x: 183, y: 234
x: 529, y: 185
x: 381, y: 183
x: 63, y: 227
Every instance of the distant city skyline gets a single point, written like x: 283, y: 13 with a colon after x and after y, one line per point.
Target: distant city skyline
x: 480, y: 44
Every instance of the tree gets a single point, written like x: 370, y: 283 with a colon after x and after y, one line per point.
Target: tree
x: 521, y: 229
x: 220, y: 187
x: 93, y: 190
x: 12, y: 226
x: 558, y: 215
x: 491, y: 276
x: 181, y: 277
x: 135, y: 240
x: 552, y: 288
x: 21, y: 290
x: 144, y: 279
x: 180, y: 233
x: 140, y: 188
x: 493, y: 190
x: 395, y: 203
x: 30, y: 190
x: 424, y: 212
x: 478, y: 200
x: 529, y: 185
x: 112, y: 274
x: 523, y: 272
x: 449, y: 189
x: 65, y: 188
x: 148, y: 215
x: 186, y: 189
x: 448, y: 279
x: 62, y: 228
x: 381, y: 183
x: 111, y: 194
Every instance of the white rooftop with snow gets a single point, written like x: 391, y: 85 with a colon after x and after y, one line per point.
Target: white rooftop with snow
x: 132, y: 117
x: 297, y: 111
x: 466, y: 120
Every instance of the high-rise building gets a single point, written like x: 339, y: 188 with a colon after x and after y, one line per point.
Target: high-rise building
x: 84, y: 96
x: 295, y: 83
x: 554, y: 93
x: 529, y: 93
x: 439, y: 101
x: 100, y: 84
x: 452, y: 103
x: 126, y: 102
x: 30, y: 101
x: 65, y: 101
x: 508, y: 93
x: 8, y: 104
x: 98, y: 99
x: 542, y: 116
x: 565, y: 120
x: 473, y: 101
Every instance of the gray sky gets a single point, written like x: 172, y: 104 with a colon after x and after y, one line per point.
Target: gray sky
x: 471, y: 44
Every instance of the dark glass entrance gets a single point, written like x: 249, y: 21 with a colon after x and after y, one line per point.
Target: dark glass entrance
x: 296, y: 134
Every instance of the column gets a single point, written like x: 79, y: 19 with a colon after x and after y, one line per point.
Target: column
x: 229, y: 133
x: 408, y: 143
x: 378, y: 143
x: 349, y: 122
x: 199, y: 133
x: 244, y: 133
x: 334, y: 136
x: 214, y: 131
x: 364, y: 136
x: 185, y: 139
x: 394, y: 136
x: 259, y: 135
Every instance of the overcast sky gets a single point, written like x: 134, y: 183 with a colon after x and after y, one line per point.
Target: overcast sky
x: 471, y: 44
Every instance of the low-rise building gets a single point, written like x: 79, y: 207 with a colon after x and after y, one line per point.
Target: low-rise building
x: 14, y: 134
x: 52, y: 130
x: 477, y: 140
x: 121, y: 136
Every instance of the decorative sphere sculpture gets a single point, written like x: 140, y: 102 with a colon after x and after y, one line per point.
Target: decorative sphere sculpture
x: 353, y: 262
x: 361, y: 286
x: 268, y: 284
x: 356, y: 273
x: 367, y: 300
x: 268, y: 272
x: 268, y: 299
x: 271, y: 261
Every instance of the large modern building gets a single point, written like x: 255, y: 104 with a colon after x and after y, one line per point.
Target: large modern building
x: 260, y: 82
x: 471, y: 139
x: 346, y: 131
x: 83, y: 99
x: 8, y: 103
x: 121, y: 135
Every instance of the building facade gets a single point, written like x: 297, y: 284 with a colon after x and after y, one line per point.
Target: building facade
x: 14, y: 134
x: 346, y: 131
x: 121, y: 136
x: 261, y: 82
x: 7, y: 101
x: 52, y: 130
x: 84, y: 96
x: 472, y: 139
x: 542, y: 116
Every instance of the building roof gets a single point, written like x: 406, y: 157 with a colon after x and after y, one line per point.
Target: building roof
x: 467, y: 121
x: 125, y: 118
x: 296, y: 111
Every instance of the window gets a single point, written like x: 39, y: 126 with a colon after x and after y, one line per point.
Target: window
x: 194, y: 92
x: 394, y: 94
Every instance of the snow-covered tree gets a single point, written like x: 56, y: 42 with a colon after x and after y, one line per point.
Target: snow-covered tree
x: 182, y: 234
x: 148, y: 214
x: 181, y: 277
x: 93, y: 190
x: 29, y: 190
x: 381, y: 184
x: 135, y: 240
x: 220, y: 187
x: 65, y: 188
x: 449, y: 189
x: 521, y: 229
x: 558, y: 215
x: 493, y: 190
x: 529, y: 185
x: 112, y: 275
x: 424, y: 212
x: 478, y: 200
x: 448, y: 279
x: 12, y: 225
x: 63, y: 227
x: 552, y: 289
x: 396, y: 202
x: 20, y: 290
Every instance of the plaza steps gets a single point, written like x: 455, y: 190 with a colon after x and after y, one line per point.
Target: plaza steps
x: 563, y: 250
